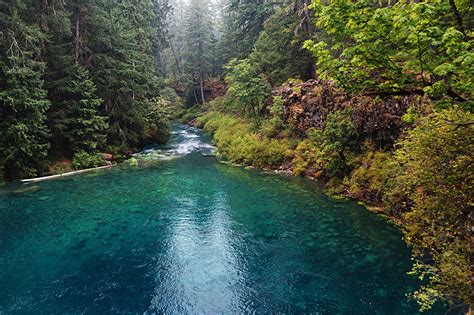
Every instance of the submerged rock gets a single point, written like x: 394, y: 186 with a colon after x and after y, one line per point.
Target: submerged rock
x: 26, y: 189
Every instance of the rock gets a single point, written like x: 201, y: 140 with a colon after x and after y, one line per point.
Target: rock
x: 133, y: 162
x: 107, y: 156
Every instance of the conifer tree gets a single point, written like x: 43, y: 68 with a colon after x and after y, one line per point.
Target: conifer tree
x: 74, y: 116
x: 23, y: 99
x: 123, y: 66
x: 198, y: 39
x: 243, y: 22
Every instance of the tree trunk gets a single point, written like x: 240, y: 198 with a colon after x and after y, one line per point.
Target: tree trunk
x: 457, y: 16
x: 312, y: 66
x: 178, y: 68
x: 78, y: 34
x: 201, y: 86
x: 201, y: 63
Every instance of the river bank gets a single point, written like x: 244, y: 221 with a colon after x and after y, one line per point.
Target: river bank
x: 284, y: 166
x: 406, y: 182
x: 185, y: 234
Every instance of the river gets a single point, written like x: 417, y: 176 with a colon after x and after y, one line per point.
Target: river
x: 182, y: 233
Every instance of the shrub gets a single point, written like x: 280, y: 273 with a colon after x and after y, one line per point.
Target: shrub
x: 271, y: 126
x: 369, y: 180
x: 436, y: 159
x: 305, y: 158
x: 83, y: 160
x: 335, y: 143
x: 237, y: 143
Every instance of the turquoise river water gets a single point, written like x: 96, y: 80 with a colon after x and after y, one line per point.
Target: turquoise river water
x: 183, y: 234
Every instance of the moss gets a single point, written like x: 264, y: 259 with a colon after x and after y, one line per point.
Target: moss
x: 305, y: 157
x: 369, y: 181
x: 238, y: 143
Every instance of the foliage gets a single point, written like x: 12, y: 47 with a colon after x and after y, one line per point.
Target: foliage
x: 198, y: 39
x: 23, y: 99
x: 236, y: 143
x: 74, y: 116
x: 306, y: 158
x: 403, y: 46
x: 243, y: 22
x: 133, y: 162
x: 336, y: 141
x: 122, y: 64
x: 247, y: 86
x: 23, y: 132
x: 84, y: 160
x: 370, y: 179
x: 277, y: 52
x: 158, y: 120
x: 436, y: 159
x: 84, y: 71
x: 273, y: 124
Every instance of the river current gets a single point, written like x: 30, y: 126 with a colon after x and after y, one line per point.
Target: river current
x: 184, y: 234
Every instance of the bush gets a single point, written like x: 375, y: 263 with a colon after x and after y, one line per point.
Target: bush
x: 436, y: 159
x: 274, y: 124
x: 369, y: 181
x: 237, y: 143
x: 189, y: 114
x: 305, y: 158
x: 83, y: 160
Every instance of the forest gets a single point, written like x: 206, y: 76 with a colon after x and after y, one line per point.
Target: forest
x: 374, y: 98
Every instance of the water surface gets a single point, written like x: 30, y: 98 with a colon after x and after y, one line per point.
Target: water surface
x: 182, y: 233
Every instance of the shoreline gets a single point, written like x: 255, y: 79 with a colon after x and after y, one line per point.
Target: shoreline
x: 281, y: 171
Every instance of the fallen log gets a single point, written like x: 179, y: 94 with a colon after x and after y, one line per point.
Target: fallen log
x: 41, y: 179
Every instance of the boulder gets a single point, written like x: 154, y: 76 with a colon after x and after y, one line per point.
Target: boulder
x: 107, y: 156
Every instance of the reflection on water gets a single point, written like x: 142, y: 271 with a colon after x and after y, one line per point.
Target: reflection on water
x: 204, y: 270
x: 188, y: 235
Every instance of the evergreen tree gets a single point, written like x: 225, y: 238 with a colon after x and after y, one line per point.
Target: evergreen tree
x: 243, y: 22
x: 123, y: 66
x: 23, y: 99
x: 74, y: 116
x: 198, y: 39
x: 278, y: 51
